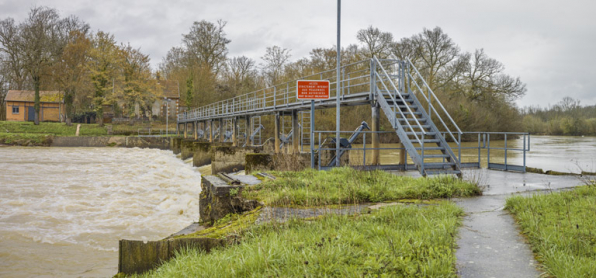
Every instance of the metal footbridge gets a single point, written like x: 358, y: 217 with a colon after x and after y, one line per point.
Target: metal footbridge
x: 394, y: 86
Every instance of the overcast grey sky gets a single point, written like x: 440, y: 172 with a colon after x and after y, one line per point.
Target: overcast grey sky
x: 549, y: 44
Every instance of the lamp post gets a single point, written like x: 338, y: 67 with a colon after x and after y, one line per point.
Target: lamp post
x: 337, y: 85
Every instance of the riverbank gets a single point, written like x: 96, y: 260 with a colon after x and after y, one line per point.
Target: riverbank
x: 344, y: 222
x: 46, y: 134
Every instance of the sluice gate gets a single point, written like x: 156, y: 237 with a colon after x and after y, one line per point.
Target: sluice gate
x: 395, y: 87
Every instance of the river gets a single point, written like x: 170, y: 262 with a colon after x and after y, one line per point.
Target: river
x: 63, y: 210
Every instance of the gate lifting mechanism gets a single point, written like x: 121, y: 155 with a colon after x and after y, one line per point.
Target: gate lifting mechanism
x: 347, y: 144
x: 254, y: 133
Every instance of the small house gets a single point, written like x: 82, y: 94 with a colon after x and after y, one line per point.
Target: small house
x: 20, y: 106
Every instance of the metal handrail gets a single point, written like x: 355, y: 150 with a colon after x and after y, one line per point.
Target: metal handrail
x: 402, y: 99
x: 268, y: 97
x: 433, y: 94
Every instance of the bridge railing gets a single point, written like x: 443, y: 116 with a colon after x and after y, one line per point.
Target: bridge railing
x: 355, y: 78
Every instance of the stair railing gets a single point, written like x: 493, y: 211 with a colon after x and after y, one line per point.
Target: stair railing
x: 382, y: 79
x: 429, y: 99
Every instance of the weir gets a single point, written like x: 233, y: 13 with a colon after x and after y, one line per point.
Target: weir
x: 421, y: 124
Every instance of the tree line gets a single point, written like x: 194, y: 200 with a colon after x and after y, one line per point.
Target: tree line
x: 94, y: 70
x: 567, y: 117
x: 48, y: 52
x: 474, y: 87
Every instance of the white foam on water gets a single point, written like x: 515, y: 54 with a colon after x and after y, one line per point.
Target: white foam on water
x: 66, y: 201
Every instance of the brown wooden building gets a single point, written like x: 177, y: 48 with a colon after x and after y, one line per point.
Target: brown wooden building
x: 19, y: 106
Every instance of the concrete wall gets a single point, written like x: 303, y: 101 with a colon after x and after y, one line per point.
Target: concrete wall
x: 217, y: 200
x: 257, y: 162
x: 187, y: 148
x: 137, y: 256
x: 230, y: 159
x: 112, y: 141
x: 176, y: 145
x: 202, y: 154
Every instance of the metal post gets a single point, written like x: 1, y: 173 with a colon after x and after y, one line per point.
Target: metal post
x: 296, y: 136
x: 479, y: 160
x: 459, y: 150
x: 277, y: 142
x: 234, y: 130
x: 364, y: 149
x: 488, y: 150
x: 375, y: 159
x: 337, y: 102
x: 312, y: 134
x: 525, y: 153
x: 505, y: 151
x: 167, y: 115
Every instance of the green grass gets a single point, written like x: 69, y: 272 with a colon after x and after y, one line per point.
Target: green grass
x: 397, y: 241
x: 561, y: 228
x: 46, y: 128
x: 349, y: 186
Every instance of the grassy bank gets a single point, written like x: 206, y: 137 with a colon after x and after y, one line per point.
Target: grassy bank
x: 56, y: 129
x: 402, y: 241
x: 561, y: 229
x: 349, y: 186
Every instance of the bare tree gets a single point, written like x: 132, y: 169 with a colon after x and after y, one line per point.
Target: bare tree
x: 13, y: 67
x: 377, y: 44
x: 482, y: 79
x: 240, y: 74
x: 38, y: 42
x: 275, y: 59
x: 207, y: 44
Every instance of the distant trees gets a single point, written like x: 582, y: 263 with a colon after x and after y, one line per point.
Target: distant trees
x: 567, y: 117
x: 47, y: 52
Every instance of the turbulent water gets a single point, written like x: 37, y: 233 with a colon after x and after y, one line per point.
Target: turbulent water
x: 63, y: 210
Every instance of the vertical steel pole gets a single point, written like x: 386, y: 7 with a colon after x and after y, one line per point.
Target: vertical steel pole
x: 488, y: 151
x: 167, y: 102
x: 524, y: 153
x: 337, y: 85
x: 505, y: 151
x: 312, y: 133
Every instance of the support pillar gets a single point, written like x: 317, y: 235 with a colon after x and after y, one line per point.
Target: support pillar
x: 195, y: 130
x: 185, y: 130
x: 277, y: 140
x: 177, y: 129
x: 296, y: 134
x: 234, y: 130
x: 376, y: 142
x: 210, y: 131
x: 221, y: 130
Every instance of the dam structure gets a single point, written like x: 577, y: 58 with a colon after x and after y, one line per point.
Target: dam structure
x: 393, y: 88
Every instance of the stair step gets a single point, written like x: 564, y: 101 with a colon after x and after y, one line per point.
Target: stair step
x: 408, y: 113
x: 419, y: 126
x: 439, y: 165
x: 420, y: 133
x: 436, y: 155
x: 442, y: 172
x: 422, y: 121
x: 406, y: 107
x: 430, y: 148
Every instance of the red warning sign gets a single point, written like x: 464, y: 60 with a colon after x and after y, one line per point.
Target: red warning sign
x: 312, y: 89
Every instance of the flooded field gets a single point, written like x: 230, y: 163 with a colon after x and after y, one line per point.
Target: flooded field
x: 63, y: 210
x: 559, y: 153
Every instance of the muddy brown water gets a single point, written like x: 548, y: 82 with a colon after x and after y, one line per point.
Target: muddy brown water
x: 63, y: 210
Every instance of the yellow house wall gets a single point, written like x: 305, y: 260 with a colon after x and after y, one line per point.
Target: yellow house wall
x: 50, y: 112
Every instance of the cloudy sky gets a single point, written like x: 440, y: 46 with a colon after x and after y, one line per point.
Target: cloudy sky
x: 549, y: 44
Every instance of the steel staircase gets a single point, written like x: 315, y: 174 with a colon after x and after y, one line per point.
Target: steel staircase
x: 414, y: 125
